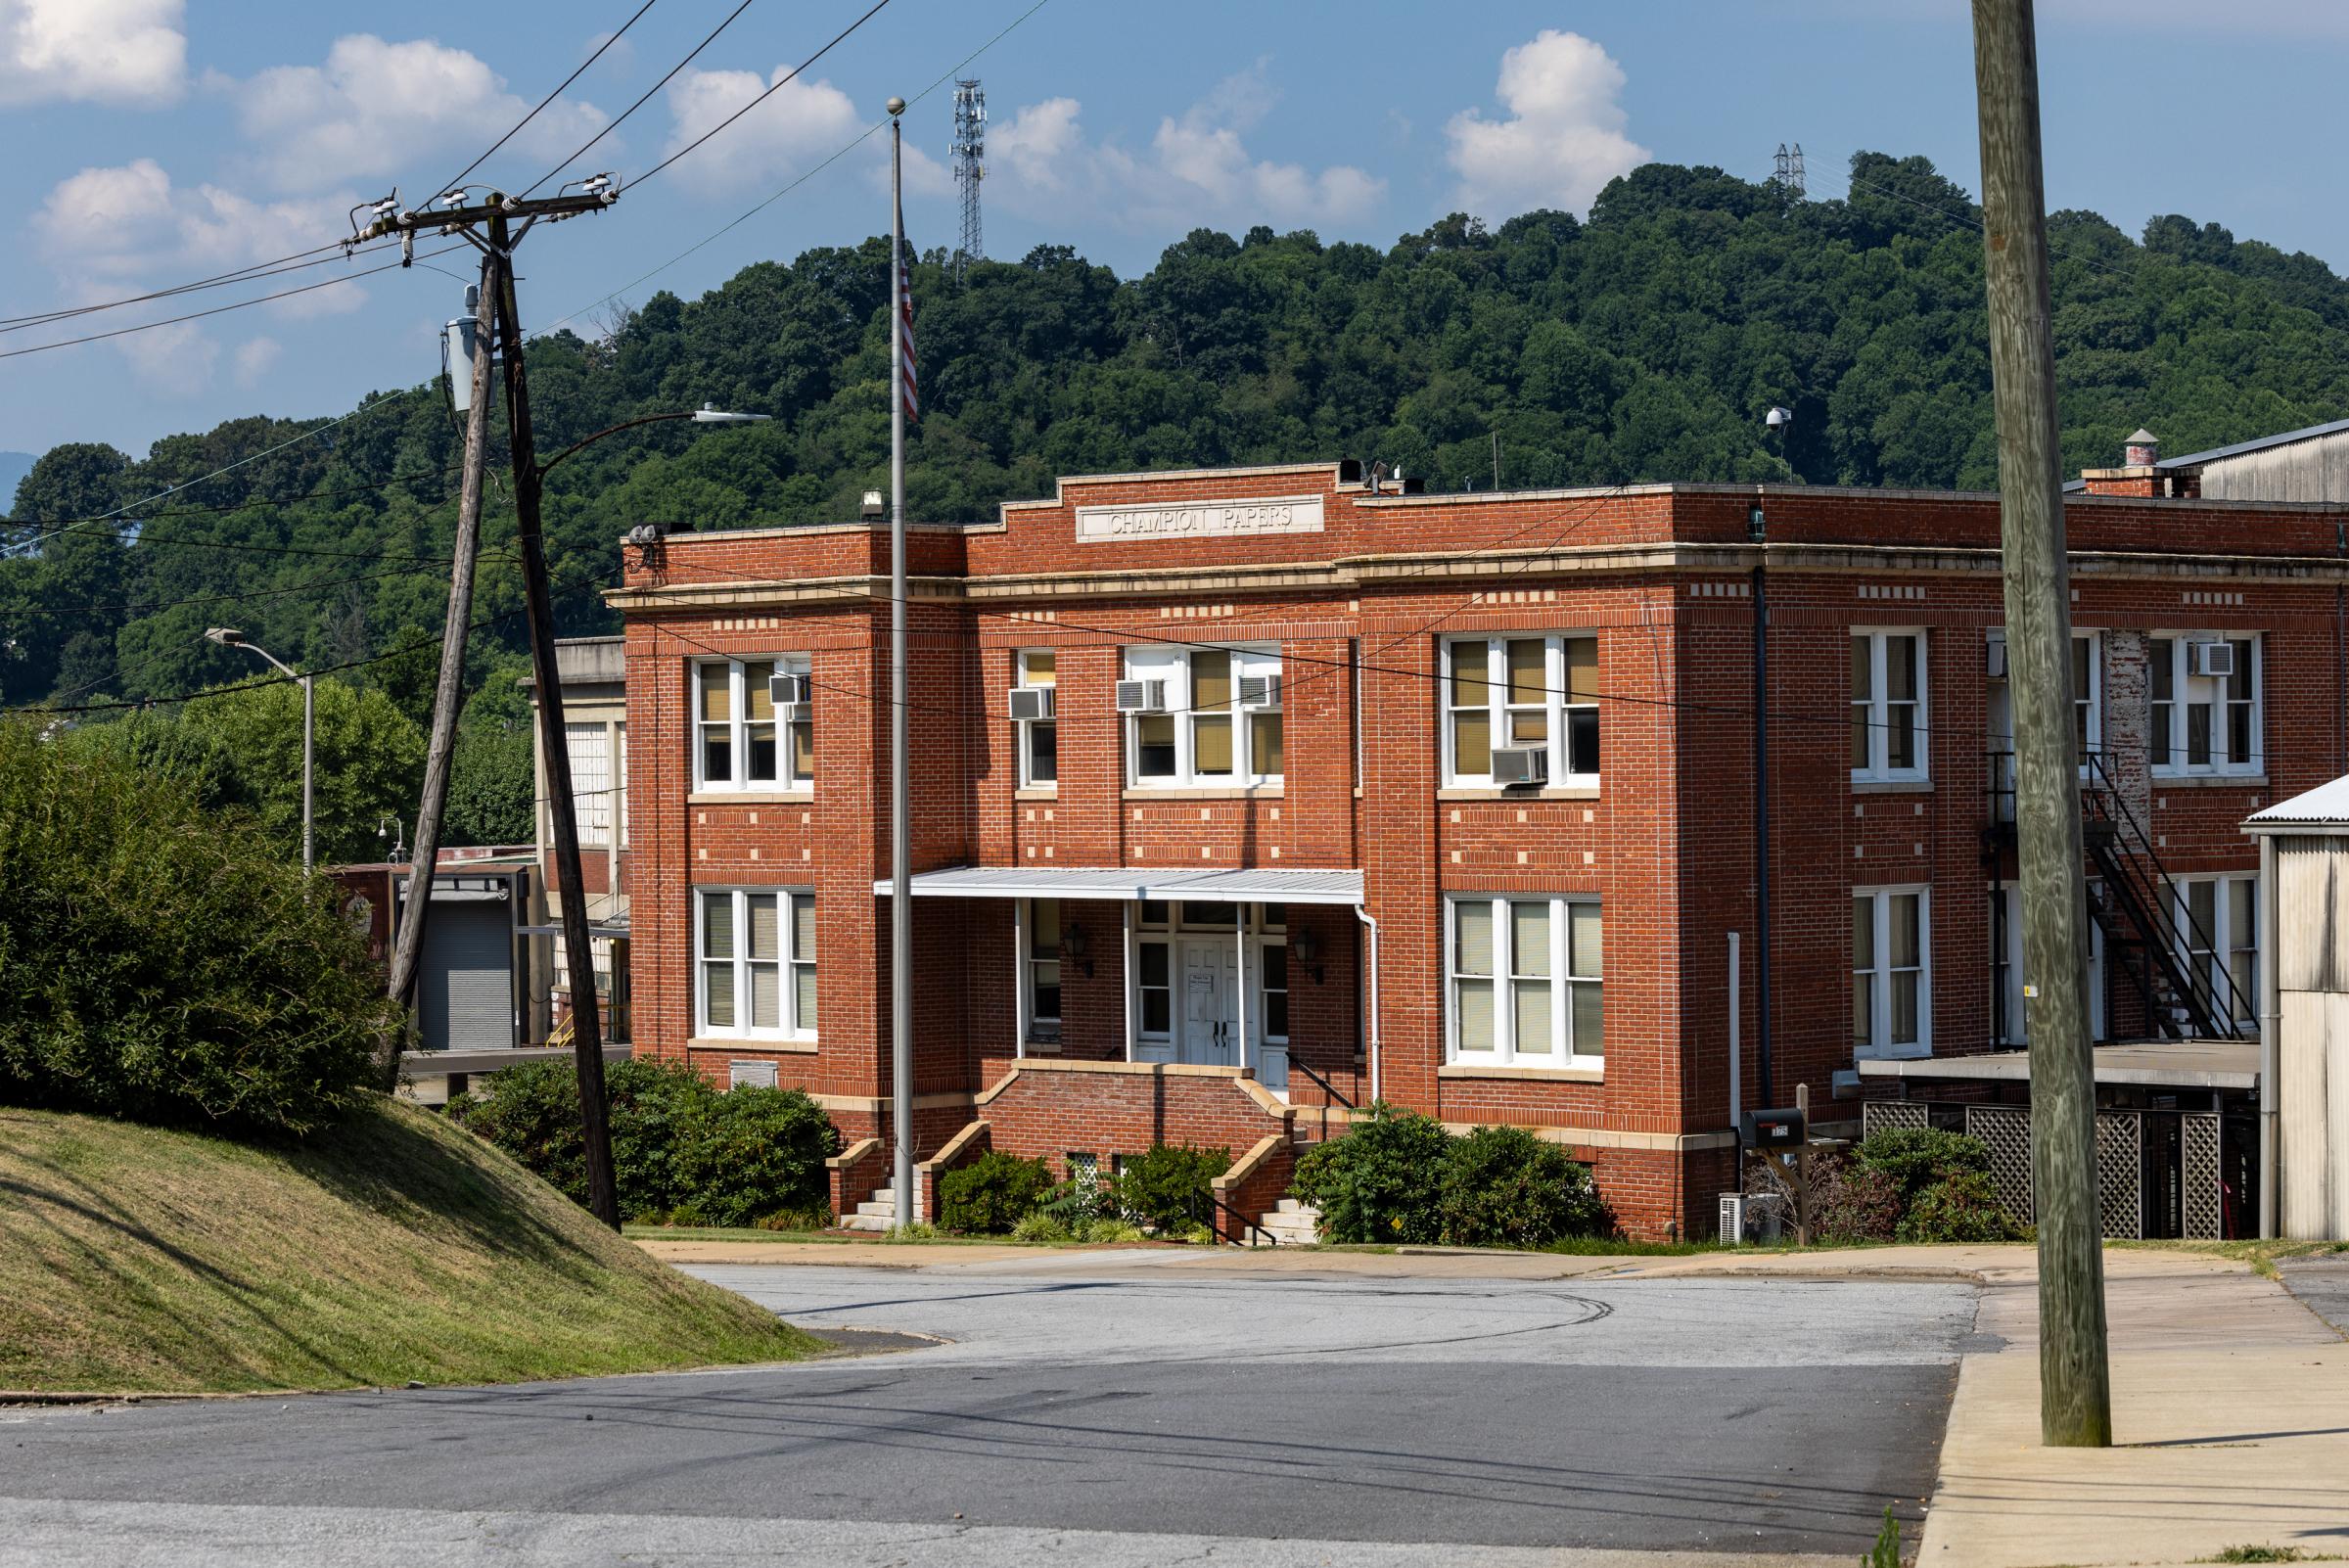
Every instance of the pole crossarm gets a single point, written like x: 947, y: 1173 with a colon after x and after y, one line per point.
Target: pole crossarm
x: 499, y: 209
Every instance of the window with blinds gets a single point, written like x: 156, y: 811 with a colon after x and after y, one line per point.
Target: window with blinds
x: 756, y: 961
x: 1527, y: 981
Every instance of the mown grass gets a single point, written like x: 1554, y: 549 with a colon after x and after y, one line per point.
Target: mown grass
x: 391, y: 1248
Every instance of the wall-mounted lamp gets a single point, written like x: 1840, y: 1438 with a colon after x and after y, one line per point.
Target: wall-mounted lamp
x: 1072, y: 949
x: 1306, y: 947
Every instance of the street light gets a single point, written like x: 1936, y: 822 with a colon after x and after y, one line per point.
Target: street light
x: 231, y: 637
x: 704, y: 415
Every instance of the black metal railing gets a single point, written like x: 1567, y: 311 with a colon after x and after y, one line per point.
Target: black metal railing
x: 1327, y: 1087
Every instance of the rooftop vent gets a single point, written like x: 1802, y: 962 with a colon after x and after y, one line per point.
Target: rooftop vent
x: 2143, y: 450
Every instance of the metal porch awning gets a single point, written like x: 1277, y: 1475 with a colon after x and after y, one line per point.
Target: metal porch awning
x: 2202, y: 1064
x: 1123, y: 883
x: 595, y: 928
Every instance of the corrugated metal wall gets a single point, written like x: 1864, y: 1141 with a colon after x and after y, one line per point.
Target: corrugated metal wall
x: 2313, y: 470
x: 2312, y: 1068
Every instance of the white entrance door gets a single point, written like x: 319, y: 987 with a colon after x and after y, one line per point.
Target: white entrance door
x: 1211, y: 1033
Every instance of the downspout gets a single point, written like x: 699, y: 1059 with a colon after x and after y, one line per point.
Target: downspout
x: 1371, y: 924
x: 1763, y: 1059
x: 2271, y: 1025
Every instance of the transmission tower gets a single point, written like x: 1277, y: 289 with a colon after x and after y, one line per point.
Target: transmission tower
x: 1790, y: 174
x: 970, y: 146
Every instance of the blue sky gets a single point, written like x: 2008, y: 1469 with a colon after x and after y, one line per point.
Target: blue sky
x: 158, y: 141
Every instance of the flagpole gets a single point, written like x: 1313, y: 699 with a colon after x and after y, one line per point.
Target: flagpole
x: 900, y: 877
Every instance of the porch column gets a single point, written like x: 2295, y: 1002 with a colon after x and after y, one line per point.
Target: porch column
x: 1246, y: 1052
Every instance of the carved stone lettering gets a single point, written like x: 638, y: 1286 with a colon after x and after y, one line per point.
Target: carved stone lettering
x: 1195, y: 520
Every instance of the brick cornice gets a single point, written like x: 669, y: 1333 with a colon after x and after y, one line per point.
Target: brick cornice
x: 797, y: 594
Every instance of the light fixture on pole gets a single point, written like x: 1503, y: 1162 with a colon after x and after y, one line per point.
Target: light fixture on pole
x: 231, y: 637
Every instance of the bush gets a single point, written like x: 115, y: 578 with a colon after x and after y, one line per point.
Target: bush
x: 1961, y: 1206
x: 1502, y: 1186
x: 1170, y: 1186
x: 1378, y: 1183
x: 682, y: 1149
x: 1853, y: 1202
x: 1913, y: 1158
x: 162, y: 963
x: 991, y: 1194
x: 1043, y: 1227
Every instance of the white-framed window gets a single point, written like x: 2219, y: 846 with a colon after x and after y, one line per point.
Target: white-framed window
x: 1888, y: 705
x: 2205, y: 723
x: 1892, y: 972
x: 2218, y: 933
x: 741, y: 740
x: 1039, y: 969
x: 1206, y: 735
x: 1038, y: 738
x: 2088, y: 709
x: 1526, y: 981
x: 755, y: 952
x: 2010, y: 1014
x: 593, y: 786
x: 1530, y: 691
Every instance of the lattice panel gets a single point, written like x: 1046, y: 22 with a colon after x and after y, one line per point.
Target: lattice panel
x: 1884, y: 1116
x: 2006, y: 1130
x: 2200, y: 1178
x: 2120, y: 1175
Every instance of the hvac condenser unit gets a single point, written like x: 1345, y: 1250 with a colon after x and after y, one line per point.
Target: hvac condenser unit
x: 1141, y: 696
x: 1732, y: 1218
x: 2213, y: 659
x: 1032, y: 702
x: 1514, y: 766
x: 1259, y: 691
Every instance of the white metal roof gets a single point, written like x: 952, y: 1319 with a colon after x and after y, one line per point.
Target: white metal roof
x: 1134, y: 882
x: 2221, y: 1064
x: 2324, y: 806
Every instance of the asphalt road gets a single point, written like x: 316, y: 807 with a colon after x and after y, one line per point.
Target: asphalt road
x: 1084, y: 1413
x: 2321, y: 1282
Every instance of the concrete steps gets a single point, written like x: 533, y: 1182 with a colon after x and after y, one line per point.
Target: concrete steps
x: 877, y: 1212
x: 1292, y: 1223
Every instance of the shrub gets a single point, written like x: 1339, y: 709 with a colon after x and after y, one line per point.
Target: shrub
x: 1853, y: 1202
x: 1378, y: 1182
x: 1043, y: 1227
x: 1913, y: 1158
x: 1961, y: 1206
x: 1502, y: 1186
x: 1170, y: 1186
x: 164, y: 963
x: 991, y: 1194
x: 682, y: 1149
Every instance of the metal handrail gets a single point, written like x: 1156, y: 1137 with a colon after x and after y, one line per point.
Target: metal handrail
x: 1327, y: 1087
x: 2173, y: 919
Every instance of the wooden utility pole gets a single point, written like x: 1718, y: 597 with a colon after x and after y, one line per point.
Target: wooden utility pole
x: 497, y: 215
x: 2075, y: 1400
x: 449, y: 698
x: 562, y: 808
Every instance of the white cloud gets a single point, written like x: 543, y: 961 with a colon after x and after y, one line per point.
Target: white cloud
x: 176, y: 361
x: 253, y: 360
x: 800, y: 125
x: 375, y: 107
x: 1197, y: 171
x: 1563, y: 139
x: 92, y: 51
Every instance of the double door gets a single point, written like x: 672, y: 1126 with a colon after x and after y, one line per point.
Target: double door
x: 1208, y: 1014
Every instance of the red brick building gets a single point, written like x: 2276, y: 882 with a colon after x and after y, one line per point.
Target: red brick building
x: 1320, y: 793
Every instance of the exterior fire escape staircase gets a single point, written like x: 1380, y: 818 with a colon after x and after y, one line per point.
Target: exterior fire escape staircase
x: 2150, y: 934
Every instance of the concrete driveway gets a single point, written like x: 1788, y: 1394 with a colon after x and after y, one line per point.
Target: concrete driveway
x: 1088, y: 1408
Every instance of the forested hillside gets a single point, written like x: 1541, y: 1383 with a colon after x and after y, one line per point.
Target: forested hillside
x: 1642, y: 344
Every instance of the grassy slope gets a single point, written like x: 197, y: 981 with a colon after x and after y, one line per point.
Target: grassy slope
x: 395, y: 1248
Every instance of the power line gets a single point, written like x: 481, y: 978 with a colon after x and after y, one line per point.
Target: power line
x: 238, y: 597
x: 199, y: 315
x: 839, y: 153
x: 260, y: 269
x: 640, y: 102
x: 779, y: 84
x: 53, y: 525
x: 453, y: 184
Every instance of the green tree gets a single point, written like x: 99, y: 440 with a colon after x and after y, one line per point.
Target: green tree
x: 369, y: 760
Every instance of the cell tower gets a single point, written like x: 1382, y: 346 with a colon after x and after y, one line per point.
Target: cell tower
x: 970, y: 146
x: 1789, y: 176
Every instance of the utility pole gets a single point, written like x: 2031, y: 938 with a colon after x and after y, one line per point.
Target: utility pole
x: 497, y: 215
x: 448, y: 697
x: 900, y: 866
x: 2074, y: 1400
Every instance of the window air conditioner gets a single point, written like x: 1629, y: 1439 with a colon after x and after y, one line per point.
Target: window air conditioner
x: 1732, y: 1218
x: 1259, y: 691
x: 1520, y: 764
x: 1032, y: 702
x: 782, y: 689
x: 1141, y: 696
x: 2213, y: 659
x: 1994, y: 659
x: 796, y: 712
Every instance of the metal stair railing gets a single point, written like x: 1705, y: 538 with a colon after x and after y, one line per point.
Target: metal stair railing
x: 2167, y: 934
x: 1327, y: 1087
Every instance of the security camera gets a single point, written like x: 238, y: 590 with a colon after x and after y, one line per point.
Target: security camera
x: 1779, y: 418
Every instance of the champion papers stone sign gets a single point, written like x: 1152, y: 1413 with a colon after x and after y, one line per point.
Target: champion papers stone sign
x: 1195, y: 520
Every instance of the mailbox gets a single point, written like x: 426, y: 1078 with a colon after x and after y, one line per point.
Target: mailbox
x: 1783, y: 1128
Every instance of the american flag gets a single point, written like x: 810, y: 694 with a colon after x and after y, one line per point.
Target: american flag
x: 913, y: 392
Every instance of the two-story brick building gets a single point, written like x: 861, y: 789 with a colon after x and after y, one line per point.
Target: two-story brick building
x: 1245, y: 796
